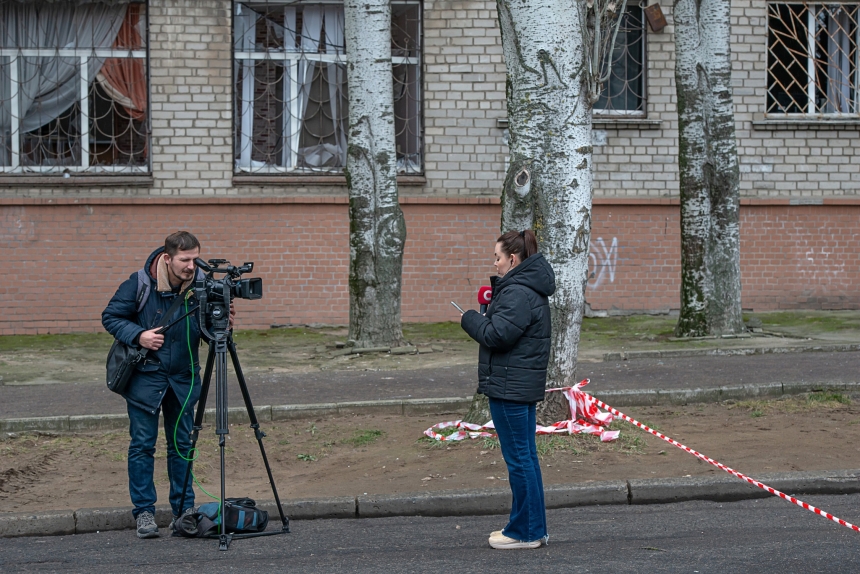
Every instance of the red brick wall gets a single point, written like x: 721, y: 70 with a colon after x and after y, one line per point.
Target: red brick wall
x: 63, y: 260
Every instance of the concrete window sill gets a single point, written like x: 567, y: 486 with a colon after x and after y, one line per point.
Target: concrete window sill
x: 305, y: 180
x: 76, y: 181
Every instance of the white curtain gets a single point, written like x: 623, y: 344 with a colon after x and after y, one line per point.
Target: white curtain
x: 335, y: 44
x: 293, y: 94
x: 838, y: 60
x: 245, y: 26
x: 47, y: 86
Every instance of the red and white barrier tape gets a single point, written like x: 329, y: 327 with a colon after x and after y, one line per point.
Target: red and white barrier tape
x: 618, y: 414
x: 590, y: 421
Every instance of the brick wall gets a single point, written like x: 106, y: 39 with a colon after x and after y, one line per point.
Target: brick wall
x: 65, y: 260
x: 777, y: 158
x: 93, y: 231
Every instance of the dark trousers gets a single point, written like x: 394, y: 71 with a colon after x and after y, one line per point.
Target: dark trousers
x: 515, y: 426
x: 143, y: 429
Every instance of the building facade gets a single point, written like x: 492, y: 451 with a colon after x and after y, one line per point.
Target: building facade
x: 227, y: 118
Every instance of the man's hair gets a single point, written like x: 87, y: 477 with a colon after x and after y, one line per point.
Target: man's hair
x: 180, y: 241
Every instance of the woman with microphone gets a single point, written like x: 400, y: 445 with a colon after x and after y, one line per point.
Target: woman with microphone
x: 514, y: 335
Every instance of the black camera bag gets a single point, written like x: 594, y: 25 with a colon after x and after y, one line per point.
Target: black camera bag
x: 242, y: 517
x: 122, y: 359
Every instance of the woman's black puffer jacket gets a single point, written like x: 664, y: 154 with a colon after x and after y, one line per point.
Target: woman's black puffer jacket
x: 515, y: 333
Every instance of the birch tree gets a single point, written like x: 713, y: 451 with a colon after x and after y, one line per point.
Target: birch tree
x: 377, y: 231
x: 708, y: 165
x: 556, y: 54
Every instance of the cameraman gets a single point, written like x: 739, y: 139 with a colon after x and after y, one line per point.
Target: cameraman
x: 168, y: 379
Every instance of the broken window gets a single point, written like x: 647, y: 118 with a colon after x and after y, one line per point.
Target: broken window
x: 73, y: 87
x: 292, y: 106
x: 812, y: 58
x: 624, y: 92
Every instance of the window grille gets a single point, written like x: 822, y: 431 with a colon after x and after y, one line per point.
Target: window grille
x: 812, y: 66
x: 73, y: 87
x: 624, y: 93
x: 292, y: 106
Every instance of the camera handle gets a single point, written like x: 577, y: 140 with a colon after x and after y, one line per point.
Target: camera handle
x: 216, y: 360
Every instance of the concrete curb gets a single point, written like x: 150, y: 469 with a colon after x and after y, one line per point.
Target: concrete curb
x: 627, y: 355
x: 462, y: 502
x: 407, y: 407
x: 648, y: 397
x: 412, y: 407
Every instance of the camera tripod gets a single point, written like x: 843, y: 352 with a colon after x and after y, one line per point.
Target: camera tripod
x: 219, y: 346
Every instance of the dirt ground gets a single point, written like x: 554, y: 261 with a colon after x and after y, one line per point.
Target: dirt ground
x: 388, y: 454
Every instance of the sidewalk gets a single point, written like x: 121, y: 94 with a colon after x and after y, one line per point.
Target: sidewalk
x: 631, y: 377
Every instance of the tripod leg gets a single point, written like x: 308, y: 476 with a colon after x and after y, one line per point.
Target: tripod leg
x: 252, y: 416
x: 198, y: 419
x: 222, y: 427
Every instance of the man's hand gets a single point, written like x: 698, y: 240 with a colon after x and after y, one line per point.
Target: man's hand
x: 151, y: 340
x: 232, y: 314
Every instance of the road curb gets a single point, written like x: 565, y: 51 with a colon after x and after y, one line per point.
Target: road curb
x: 444, y: 405
x: 408, y: 407
x: 462, y: 502
x: 650, y: 397
x: 715, y: 352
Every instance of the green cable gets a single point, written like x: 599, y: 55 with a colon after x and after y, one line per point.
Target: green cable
x: 196, y: 452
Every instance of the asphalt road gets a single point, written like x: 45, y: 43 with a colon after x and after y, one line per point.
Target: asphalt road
x: 337, y: 386
x: 760, y: 536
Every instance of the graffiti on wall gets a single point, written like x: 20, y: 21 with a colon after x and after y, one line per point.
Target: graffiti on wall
x: 601, y: 262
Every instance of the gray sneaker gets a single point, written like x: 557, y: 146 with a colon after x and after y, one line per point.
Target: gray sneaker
x: 190, y: 510
x: 146, y: 526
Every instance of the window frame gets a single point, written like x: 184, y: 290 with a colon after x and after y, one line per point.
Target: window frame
x: 604, y: 114
x: 15, y: 166
x: 322, y: 174
x: 812, y: 65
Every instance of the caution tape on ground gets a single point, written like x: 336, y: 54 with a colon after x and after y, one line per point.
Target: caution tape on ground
x: 736, y: 474
x: 589, y: 421
x: 592, y: 421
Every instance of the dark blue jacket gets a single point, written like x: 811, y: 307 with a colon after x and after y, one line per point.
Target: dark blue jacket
x: 515, y: 333
x: 171, y: 364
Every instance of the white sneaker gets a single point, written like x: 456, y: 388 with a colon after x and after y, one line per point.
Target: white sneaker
x: 502, y: 542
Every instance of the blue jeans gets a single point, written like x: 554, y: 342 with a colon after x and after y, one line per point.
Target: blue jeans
x: 143, y: 429
x: 515, y: 426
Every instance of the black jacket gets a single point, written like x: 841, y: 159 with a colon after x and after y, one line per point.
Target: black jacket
x: 515, y: 333
x: 171, y: 364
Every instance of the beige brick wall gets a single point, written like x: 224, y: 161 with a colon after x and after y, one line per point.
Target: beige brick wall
x: 191, y: 71
x: 464, y: 91
x: 776, y: 160
x: 464, y: 97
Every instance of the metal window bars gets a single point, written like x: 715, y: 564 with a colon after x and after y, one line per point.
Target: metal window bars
x: 73, y: 88
x: 291, y: 106
x: 623, y: 94
x: 812, y: 59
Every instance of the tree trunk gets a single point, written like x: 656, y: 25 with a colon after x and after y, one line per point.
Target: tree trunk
x: 377, y: 229
x: 708, y: 165
x: 548, y: 186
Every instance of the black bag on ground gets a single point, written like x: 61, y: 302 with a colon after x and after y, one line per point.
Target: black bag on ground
x: 241, y: 517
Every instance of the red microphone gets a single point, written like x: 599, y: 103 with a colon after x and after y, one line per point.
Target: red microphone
x: 485, y: 295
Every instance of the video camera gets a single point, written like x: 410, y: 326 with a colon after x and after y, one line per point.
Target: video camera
x: 215, y: 295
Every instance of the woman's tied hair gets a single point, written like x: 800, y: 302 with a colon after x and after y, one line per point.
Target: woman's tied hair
x: 523, y: 243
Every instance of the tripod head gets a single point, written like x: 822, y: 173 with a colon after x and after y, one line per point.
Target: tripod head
x: 216, y: 295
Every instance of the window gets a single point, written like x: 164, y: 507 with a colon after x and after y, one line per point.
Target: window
x: 624, y: 92
x: 292, y: 107
x: 812, y: 59
x: 73, y: 87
